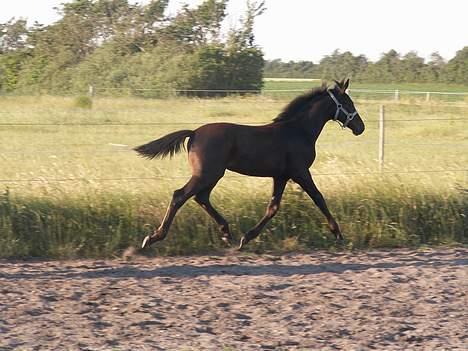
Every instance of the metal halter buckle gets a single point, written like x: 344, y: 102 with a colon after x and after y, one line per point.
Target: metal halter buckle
x: 339, y: 107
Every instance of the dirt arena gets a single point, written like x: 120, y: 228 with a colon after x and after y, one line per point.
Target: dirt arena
x: 378, y: 300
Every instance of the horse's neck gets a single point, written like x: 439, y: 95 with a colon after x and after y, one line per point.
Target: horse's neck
x: 314, y: 123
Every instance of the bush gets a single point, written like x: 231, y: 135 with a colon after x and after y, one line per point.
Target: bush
x: 83, y: 101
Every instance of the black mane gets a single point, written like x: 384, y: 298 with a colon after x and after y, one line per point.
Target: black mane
x: 294, y: 109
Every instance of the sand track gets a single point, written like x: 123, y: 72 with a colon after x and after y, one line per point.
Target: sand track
x: 396, y: 300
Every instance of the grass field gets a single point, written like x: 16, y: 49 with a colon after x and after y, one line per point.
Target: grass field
x: 72, y: 187
x: 285, y: 84
x: 415, y: 92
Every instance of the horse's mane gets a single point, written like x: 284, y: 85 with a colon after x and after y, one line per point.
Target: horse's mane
x: 294, y: 109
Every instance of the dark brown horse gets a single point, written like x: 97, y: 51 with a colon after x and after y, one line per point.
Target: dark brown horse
x: 283, y: 150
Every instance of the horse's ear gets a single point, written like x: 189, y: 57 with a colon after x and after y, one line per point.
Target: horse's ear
x: 338, y: 86
x: 346, y: 84
x: 341, y: 86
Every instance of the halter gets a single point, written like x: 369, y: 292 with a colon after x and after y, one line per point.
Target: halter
x: 339, y: 107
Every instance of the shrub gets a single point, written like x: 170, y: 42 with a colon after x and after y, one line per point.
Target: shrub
x: 83, y: 101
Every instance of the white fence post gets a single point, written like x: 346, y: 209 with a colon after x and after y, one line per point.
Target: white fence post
x: 381, y: 137
x: 428, y: 96
x: 91, y: 91
x: 397, y: 95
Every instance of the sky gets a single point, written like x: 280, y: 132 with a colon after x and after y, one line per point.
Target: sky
x: 310, y: 29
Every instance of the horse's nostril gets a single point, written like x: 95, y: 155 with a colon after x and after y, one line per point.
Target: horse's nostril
x: 358, y: 131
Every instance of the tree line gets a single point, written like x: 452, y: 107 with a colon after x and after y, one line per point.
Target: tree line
x: 113, y: 44
x: 392, y: 67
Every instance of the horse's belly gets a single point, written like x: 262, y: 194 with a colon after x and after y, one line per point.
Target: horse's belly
x: 256, y: 168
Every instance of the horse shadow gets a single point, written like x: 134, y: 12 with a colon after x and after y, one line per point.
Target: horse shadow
x: 131, y: 270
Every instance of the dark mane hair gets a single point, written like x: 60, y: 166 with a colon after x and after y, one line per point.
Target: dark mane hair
x: 294, y: 109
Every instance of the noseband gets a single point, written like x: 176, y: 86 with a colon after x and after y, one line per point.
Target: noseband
x: 339, y: 108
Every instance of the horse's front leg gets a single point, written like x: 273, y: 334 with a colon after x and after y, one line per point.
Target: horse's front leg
x: 306, y: 183
x: 278, y: 188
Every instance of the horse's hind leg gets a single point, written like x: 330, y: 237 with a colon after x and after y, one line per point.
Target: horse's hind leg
x: 278, y: 188
x: 180, y: 196
x: 306, y: 182
x: 203, y: 199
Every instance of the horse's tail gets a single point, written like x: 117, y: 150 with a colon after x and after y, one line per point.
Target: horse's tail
x: 167, y: 145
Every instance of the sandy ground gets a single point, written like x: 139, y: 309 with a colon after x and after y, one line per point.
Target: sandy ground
x: 399, y: 300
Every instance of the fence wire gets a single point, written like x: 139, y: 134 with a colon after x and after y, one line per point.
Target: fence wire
x: 138, y: 124
x: 125, y: 148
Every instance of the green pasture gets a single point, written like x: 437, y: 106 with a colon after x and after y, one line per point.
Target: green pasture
x: 409, y: 92
x: 298, y: 84
x: 71, y: 186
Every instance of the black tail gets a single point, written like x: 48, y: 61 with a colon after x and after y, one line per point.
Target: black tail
x: 167, y: 145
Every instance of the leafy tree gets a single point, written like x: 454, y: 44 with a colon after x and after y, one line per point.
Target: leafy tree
x: 411, y: 67
x: 245, y: 69
x: 432, y: 71
x: 13, y: 52
x: 198, y: 26
x: 13, y: 35
x: 387, y: 69
x: 245, y: 59
x: 207, y: 62
x: 10, y: 67
x: 117, y: 44
x: 339, y: 65
x: 302, y: 69
x: 456, y: 70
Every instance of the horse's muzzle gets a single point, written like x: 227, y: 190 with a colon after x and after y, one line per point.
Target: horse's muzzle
x: 359, y: 130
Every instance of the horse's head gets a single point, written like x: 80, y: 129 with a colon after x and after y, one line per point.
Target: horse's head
x: 345, y: 112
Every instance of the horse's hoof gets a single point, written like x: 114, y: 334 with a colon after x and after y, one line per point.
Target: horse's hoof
x: 146, y: 242
x: 340, y: 240
x: 227, y: 241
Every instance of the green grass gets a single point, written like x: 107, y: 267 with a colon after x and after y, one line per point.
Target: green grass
x: 83, y: 101
x: 371, y: 86
x: 412, y: 92
x: 104, y: 199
